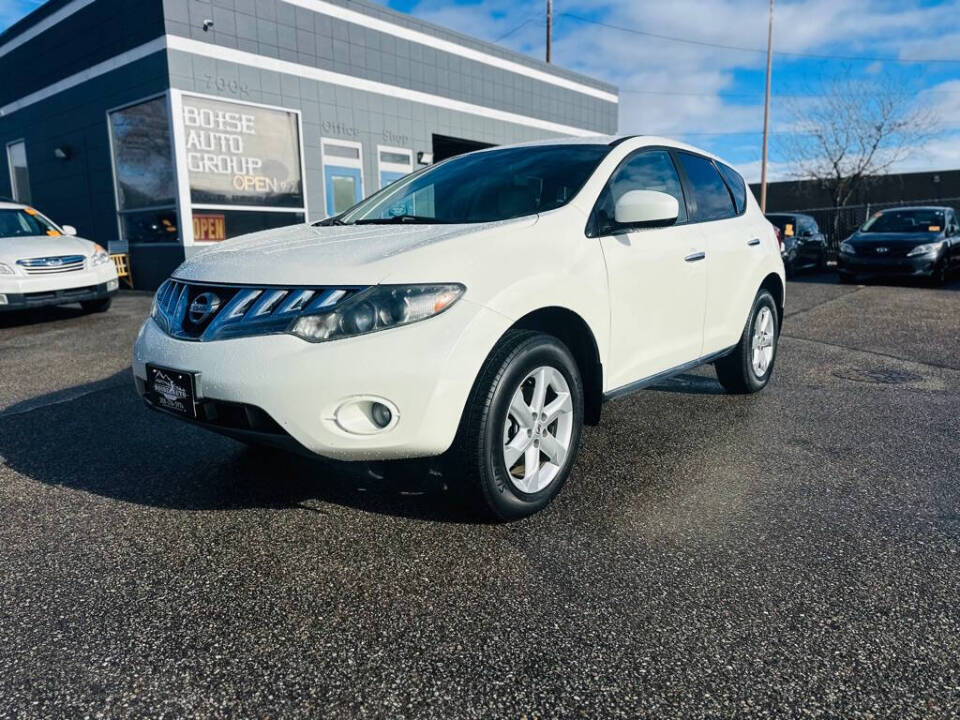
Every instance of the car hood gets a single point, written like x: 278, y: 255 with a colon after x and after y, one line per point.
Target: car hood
x: 20, y: 248
x: 893, y: 240
x: 344, y: 255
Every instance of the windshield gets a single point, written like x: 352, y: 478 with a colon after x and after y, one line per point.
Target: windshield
x: 24, y: 222
x: 484, y: 187
x: 905, y: 221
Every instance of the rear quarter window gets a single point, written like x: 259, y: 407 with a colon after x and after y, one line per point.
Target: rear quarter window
x: 738, y: 188
x: 711, y: 198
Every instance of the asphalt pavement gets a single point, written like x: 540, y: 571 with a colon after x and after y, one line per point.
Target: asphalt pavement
x: 790, y: 554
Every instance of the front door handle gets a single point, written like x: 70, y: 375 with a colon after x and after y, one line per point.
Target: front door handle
x: 754, y: 242
x: 694, y: 257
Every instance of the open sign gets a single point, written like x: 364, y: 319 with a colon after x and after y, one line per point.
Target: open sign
x: 209, y: 228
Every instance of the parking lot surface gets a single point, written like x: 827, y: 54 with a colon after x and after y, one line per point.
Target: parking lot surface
x: 794, y: 553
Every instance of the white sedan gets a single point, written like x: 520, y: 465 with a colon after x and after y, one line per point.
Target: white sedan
x: 42, y: 263
x: 482, y: 309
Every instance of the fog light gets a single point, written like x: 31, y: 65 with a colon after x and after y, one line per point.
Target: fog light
x: 381, y: 414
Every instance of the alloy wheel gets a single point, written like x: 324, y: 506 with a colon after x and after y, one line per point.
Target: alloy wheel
x: 538, y: 430
x: 762, y: 342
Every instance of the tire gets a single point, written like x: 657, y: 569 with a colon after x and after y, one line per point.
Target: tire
x: 521, y: 363
x: 847, y: 278
x: 96, y: 306
x: 738, y: 372
x: 822, y: 262
x: 938, y: 278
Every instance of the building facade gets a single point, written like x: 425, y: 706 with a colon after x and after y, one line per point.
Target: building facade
x: 159, y: 126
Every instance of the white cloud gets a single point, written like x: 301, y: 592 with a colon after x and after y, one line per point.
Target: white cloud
x: 694, y: 78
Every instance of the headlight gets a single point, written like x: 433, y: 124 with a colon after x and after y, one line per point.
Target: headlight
x: 925, y: 249
x: 99, y: 257
x: 847, y: 248
x: 5, y: 269
x: 379, y: 308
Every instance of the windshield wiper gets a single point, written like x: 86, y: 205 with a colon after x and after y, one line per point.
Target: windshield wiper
x: 335, y: 220
x: 397, y: 219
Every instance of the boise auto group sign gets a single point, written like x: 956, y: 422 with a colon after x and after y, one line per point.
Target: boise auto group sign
x: 239, y: 155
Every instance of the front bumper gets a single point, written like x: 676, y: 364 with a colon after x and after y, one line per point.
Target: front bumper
x: 919, y: 266
x: 424, y: 370
x: 24, y: 293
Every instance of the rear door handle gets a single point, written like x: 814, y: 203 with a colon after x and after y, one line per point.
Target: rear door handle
x: 752, y: 243
x: 694, y: 257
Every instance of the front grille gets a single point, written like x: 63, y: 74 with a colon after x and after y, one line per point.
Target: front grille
x: 890, y: 251
x: 204, y: 312
x: 52, y: 265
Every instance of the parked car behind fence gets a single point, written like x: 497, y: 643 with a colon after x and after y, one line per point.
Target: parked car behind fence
x: 837, y: 224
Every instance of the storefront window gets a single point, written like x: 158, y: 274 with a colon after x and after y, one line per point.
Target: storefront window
x: 144, y: 173
x: 242, y: 154
x: 141, y: 155
x: 150, y: 226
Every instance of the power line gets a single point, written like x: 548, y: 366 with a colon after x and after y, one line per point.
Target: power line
x: 511, y: 32
x: 740, y: 48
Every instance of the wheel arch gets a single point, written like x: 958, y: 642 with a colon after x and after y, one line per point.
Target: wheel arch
x: 774, y: 285
x: 574, y: 332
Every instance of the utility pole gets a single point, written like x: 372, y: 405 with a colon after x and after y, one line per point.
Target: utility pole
x: 766, y: 116
x: 549, y: 26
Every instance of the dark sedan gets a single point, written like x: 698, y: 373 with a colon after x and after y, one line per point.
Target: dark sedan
x: 908, y: 242
x: 802, y: 245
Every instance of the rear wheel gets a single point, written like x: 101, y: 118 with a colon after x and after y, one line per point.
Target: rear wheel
x: 96, y: 306
x: 747, y: 369
x: 521, y: 427
x: 847, y: 278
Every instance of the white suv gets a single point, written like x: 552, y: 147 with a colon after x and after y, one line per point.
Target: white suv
x: 481, y: 309
x: 42, y: 263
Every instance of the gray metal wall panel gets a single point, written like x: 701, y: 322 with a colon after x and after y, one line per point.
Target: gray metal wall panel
x: 335, y: 112
x: 91, y: 35
x: 279, y: 30
x: 79, y: 191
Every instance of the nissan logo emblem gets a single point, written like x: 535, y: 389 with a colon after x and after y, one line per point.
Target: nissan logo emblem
x: 203, y: 307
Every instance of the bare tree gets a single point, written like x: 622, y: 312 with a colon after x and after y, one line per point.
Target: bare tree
x: 852, y: 130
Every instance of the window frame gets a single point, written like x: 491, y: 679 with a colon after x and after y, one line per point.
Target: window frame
x: 182, y: 171
x: 176, y: 206
x: 335, y: 161
x: 746, y: 187
x: 593, y: 231
x: 692, y: 206
x: 10, y: 172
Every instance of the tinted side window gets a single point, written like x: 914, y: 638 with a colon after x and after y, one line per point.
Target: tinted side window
x: 710, y: 194
x: 738, y: 188
x: 647, y: 170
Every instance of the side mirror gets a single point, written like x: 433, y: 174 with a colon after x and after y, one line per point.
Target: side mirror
x: 646, y: 208
x: 68, y: 229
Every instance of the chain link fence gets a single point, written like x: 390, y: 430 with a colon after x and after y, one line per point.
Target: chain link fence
x: 838, y: 223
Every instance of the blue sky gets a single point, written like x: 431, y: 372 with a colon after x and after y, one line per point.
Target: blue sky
x: 710, y: 96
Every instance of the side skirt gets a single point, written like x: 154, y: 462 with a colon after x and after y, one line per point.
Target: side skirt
x: 654, y: 379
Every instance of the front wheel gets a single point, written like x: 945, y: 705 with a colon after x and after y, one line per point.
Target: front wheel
x: 938, y: 277
x: 521, y: 427
x: 747, y: 369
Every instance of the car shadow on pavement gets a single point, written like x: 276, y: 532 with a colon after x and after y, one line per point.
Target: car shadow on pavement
x: 100, y: 438
x: 690, y: 385
x: 36, y: 316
